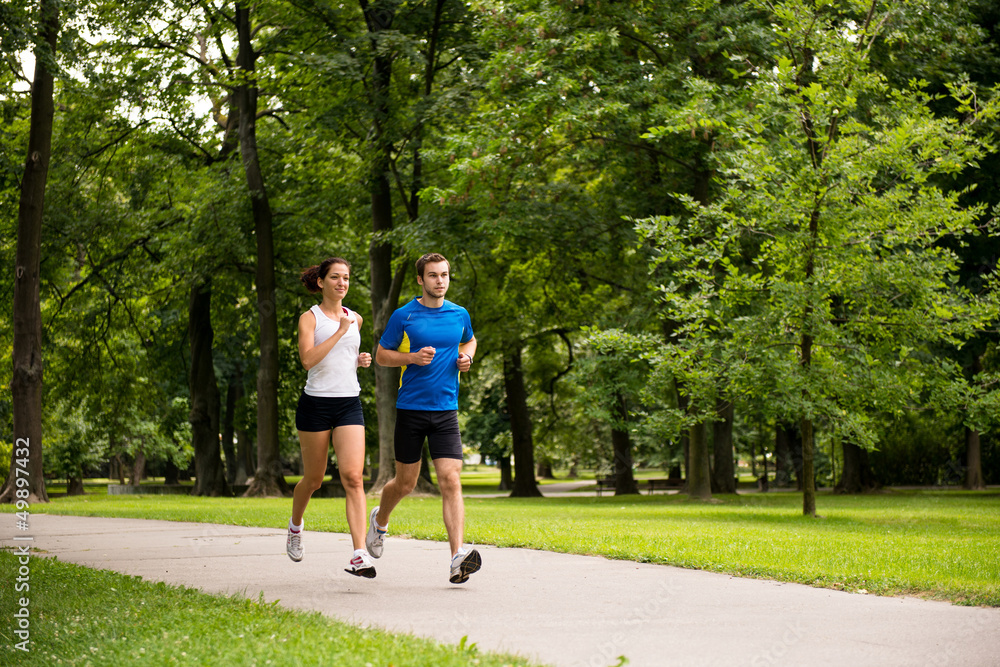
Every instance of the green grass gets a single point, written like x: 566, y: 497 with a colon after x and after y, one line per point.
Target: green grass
x: 941, y: 545
x: 80, y: 616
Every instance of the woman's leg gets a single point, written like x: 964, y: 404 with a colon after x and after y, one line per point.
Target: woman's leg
x: 315, y: 453
x: 349, y: 445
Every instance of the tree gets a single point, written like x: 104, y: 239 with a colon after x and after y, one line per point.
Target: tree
x: 826, y: 234
x: 614, y: 371
x: 385, y: 283
x: 210, y: 477
x: 72, y: 447
x: 380, y: 81
x: 26, y: 386
x: 269, y: 476
x: 723, y: 467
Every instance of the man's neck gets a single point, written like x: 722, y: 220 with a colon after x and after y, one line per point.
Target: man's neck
x: 430, y: 302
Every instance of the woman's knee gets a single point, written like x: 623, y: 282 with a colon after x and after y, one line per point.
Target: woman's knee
x: 310, y: 482
x: 352, y: 480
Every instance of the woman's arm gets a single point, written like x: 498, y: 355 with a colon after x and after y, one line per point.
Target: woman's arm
x: 310, y: 354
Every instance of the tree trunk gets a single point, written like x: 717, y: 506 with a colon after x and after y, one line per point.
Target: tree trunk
x: 26, y: 385
x: 973, y: 449
x: 856, y: 474
x: 520, y: 426
x: 74, y: 486
x: 171, y: 474
x: 117, y: 469
x: 808, y: 478
x: 268, y: 479
x: 209, y: 475
x: 545, y: 470
x: 506, y: 478
x: 685, y: 438
x: 699, y: 477
x: 385, y: 287
x: 233, y: 390
x: 425, y: 483
x: 621, y: 443
x: 973, y: 460
x: 138, y: 471
x: 245, y: 453
x: 798, y: 456
x: 723, y: 470
x: 782, y: 455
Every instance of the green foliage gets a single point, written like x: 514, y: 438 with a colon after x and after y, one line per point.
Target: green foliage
x: 487, y: 428
x: 616, y: 369
x: 524, y: 141
x: 6, y: 451
x: 816, y: 280
x: 917, y: 450
x: 71, y: 447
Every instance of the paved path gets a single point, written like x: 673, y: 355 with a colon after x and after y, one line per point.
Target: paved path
x: 555, y: 608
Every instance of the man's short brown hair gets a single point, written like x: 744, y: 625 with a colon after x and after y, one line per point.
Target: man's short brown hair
x: 429, y: 258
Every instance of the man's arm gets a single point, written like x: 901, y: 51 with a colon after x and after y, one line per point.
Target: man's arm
x: 466, y: 351
x: 392, y: 358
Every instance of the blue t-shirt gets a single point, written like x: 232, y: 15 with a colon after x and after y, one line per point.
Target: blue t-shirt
x: 415, y: 326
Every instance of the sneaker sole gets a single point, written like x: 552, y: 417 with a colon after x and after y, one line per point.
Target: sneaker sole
x: 366, y: 572
x: 473, y: 561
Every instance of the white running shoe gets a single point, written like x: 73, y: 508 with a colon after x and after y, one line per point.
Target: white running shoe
x: 361, y: 566
x: 374, y: 537
x: 293, y: 545
x: 464, y: 564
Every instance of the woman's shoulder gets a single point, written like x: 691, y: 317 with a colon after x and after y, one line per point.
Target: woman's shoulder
x: 308, y: 316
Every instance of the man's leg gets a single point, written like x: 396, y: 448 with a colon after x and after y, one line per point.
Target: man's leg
x: 449, y: 477
x: 396, y: 489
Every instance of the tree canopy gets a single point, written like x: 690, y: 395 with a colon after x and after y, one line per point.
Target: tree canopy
x: 688, y: 234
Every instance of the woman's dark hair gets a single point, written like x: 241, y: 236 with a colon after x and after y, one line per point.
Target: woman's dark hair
x: 311, y: 276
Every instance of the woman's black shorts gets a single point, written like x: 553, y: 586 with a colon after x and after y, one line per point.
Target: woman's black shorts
x: 440, y: 427
x: 325, y: 413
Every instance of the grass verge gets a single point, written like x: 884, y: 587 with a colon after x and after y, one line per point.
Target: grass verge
x: 80, y: 616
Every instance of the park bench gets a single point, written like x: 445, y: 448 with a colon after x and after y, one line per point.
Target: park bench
x: 663, y: 484
x: 605, y: 484
x: 660, y: 484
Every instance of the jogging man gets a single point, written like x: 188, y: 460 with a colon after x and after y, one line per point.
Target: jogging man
x: 432, y: 340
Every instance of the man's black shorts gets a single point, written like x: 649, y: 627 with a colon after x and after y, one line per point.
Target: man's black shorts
x: 325, y: 413
x: 440, y: 427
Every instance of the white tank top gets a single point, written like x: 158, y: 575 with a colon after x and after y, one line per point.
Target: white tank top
x: 336, y: 375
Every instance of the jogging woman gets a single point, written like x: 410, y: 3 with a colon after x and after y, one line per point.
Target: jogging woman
x: 330, y: 408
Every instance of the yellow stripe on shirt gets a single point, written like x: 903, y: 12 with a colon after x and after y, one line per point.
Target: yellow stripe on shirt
x: 404, y: 347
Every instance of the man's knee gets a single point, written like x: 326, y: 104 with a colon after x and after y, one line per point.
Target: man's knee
x: 450, y: 481
x: 406, y: 477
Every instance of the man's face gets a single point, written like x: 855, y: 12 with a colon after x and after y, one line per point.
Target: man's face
x: 435, y: 279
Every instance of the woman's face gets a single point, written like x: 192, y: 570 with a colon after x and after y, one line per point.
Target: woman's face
x: 336, y: 282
